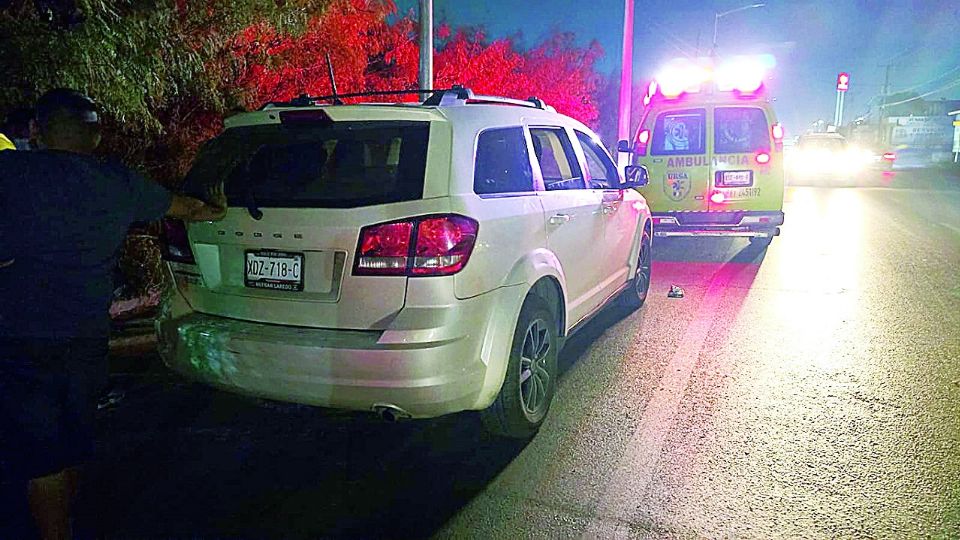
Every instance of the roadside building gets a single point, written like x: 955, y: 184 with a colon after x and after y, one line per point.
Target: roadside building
x: 920, y: 131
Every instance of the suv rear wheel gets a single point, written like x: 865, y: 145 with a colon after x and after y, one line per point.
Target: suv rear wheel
x: 531, y: 378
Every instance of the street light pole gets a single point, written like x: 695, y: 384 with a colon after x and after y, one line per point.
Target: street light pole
x: 425, y: 75
x: 626, y: 82
x: 718, y: 16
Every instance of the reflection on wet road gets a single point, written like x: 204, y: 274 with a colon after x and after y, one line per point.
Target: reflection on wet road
x: 811, y: 389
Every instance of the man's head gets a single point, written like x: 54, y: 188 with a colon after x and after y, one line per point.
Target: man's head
x: 68, y: 120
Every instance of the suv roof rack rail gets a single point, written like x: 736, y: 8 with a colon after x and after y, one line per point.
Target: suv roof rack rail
x: 456, y: 95
x: 304, y: 100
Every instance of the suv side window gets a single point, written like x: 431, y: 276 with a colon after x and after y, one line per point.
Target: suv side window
x: 502, y: 163
x: 558, y: 163
x: 602, y: 170
x: 680, y: 133
x: 740, y: 130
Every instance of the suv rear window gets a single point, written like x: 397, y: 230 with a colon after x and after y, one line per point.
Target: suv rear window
x: 338, y: 165
x: 738, y: 130
x: 558, y: 163
x: 680, y: 133
x: 503, y: 164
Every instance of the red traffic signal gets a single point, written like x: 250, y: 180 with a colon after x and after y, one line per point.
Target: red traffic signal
x: 843, y: 82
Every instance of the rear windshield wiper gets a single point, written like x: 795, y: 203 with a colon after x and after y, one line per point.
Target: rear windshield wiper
x: 248, y: 198
x: 252, y: 207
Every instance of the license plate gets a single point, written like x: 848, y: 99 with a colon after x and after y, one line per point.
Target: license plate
x: 736, y: 178
x: 278, y: 270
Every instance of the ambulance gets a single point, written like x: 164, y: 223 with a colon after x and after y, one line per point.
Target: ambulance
x: 713, y: 150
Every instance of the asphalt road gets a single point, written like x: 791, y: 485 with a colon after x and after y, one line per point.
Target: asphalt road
x: 811, y: 389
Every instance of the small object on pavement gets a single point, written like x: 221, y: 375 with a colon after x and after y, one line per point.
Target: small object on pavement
x: 110, y: 399
x: 675, y: 292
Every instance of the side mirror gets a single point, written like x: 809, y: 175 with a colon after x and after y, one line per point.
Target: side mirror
x: 624, y: 146
x: 636, y: 176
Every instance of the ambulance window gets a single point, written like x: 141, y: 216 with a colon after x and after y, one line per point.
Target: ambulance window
x: 557, y: 161
x: 503, y: 164
x: 679, y: 133
x: 603, y: 172
x: 739, y: 130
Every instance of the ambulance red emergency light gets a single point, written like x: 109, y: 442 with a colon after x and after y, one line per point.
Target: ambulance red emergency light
x: 742, y: 75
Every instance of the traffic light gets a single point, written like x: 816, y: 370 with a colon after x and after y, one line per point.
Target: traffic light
x: 843, y: 82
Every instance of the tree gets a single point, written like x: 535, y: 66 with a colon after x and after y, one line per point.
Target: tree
x: 371, y: 53
x: 157, y: 68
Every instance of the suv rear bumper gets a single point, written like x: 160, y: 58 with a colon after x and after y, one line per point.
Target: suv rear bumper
x: 750, y: 224
x: 419, y: 370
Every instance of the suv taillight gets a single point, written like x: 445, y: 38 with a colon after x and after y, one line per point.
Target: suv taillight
x: 424, y: 246
x: 174, y: 243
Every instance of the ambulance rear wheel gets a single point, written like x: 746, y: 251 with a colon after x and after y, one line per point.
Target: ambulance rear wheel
x: 762, y: 241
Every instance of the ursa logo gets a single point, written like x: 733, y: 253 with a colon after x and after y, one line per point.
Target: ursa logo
x: 676, y: 185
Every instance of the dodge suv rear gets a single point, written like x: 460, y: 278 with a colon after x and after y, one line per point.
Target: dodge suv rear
x: 411, y: 259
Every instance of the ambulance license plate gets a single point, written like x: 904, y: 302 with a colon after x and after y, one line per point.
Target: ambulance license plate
x: 278, y: 270
x: 736, y: 178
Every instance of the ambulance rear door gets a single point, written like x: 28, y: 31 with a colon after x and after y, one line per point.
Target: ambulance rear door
x: 678, y: 161
x: 747, y: 172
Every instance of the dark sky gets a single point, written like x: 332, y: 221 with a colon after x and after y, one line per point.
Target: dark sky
x: 812, y: 41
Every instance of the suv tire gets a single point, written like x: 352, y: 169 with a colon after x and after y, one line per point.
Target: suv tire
x: 639, y: 287
x: 531, y: 377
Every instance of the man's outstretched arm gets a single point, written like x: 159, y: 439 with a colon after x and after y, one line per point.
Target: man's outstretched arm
x: 191, y: 209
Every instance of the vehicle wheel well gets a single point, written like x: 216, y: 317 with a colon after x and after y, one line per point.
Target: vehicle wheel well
x: 549, y: 290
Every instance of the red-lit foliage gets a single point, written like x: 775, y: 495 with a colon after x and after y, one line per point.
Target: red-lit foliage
x: 369, y: 52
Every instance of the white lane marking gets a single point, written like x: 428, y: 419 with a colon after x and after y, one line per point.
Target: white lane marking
x: 953, y: 228
x: 635, y: 469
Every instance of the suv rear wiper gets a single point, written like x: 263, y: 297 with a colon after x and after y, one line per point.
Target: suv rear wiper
x: 252, y: 208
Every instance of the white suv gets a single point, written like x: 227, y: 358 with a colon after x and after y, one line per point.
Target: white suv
x: 410, y: 259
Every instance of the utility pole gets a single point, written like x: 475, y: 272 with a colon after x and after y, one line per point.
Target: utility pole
x: 882, y: 128
x: 626, y: 82
x: 425, y: 75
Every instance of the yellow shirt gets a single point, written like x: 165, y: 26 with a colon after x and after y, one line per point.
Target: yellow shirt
x: 5, y: 143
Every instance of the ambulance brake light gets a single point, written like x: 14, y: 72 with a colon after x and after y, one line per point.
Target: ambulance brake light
x: 763, y: 158
x: 717, y: 197
x: 777, y: 131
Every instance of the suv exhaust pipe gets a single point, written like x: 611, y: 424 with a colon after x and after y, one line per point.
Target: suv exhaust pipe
x: 390, y: 413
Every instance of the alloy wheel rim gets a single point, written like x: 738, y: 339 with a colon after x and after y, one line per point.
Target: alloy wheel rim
x: 642, y: 280
x: 534, y: 377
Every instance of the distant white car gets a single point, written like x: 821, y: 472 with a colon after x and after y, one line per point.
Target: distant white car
x: 830, y: 158
x: 409, y: 259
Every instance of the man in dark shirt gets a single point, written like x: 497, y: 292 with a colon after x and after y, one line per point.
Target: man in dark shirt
x: 63, y: 218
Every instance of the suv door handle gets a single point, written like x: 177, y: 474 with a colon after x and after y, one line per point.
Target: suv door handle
x: 559, y: 219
